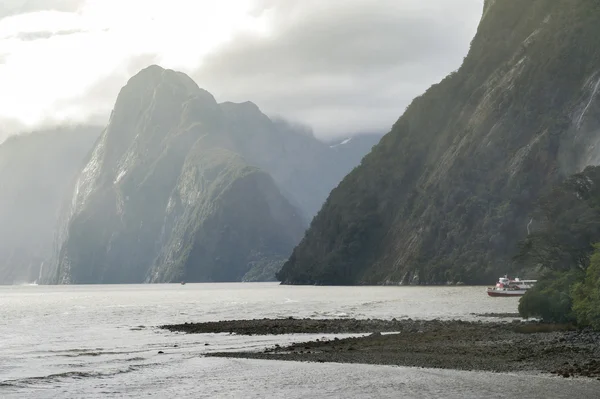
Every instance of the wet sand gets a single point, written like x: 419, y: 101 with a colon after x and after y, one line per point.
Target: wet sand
x: 487, y: 346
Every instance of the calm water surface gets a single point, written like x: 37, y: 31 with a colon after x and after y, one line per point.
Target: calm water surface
x: 102, y: 341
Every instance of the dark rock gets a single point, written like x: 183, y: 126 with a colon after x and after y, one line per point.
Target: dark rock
x: 450, y: 346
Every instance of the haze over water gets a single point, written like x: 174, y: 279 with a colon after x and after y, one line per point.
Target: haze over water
x: 102, y: 341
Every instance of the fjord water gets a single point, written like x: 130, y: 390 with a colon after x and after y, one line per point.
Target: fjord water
x: 103, y: 341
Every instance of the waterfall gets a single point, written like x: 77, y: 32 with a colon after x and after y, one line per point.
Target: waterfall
x: 41, y: 271
x: 592, y: 97
x: 529, y: 225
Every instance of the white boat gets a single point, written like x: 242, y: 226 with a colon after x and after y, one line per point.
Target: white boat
x: 510, y: 287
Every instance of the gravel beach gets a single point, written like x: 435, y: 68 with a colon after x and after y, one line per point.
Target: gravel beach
x: 488, y: 346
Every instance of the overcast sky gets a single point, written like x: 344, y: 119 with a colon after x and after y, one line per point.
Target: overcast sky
x: 340, y: 66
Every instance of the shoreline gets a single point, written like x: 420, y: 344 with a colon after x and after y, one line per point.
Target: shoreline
x: 516, y: 346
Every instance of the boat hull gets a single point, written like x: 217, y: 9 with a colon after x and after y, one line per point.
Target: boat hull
x: 500, y: 293
x: 506, y: 287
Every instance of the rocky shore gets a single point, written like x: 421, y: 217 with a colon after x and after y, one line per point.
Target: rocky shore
x: 289, y: 326
x: 487, y: 346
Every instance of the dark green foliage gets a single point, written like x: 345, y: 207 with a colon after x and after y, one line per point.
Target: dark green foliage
x: 550, y: 299
x: 446, y: 195
x: 586, y: 295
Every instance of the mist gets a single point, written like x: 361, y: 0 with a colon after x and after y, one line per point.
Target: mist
x: 341, y: 67
x: 36, y: 171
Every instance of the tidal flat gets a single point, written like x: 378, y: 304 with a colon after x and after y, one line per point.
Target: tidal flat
x: 517, y: 346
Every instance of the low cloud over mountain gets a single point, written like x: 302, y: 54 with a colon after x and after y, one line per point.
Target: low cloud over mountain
x: 353, y: 62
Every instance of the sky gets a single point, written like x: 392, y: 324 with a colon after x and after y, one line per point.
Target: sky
x: 339, y: 66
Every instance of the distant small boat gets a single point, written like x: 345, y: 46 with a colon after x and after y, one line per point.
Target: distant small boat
x: 183, y: 283
x: 505, y: 287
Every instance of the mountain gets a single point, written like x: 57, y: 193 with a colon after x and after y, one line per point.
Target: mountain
x: 224, y: 219
x: 36, y: 170
x: 305, y: 169
x: 180, y: 187
x: 447, y: 194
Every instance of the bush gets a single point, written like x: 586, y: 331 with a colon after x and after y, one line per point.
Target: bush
x: 550, y: 299
x: 586, y: 295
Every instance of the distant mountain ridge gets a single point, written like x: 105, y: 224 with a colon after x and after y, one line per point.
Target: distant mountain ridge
x: 180, y: 187
x: 36, y: 170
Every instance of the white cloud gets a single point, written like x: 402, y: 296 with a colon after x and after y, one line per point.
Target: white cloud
x: 66, y: 59
x: 39, y: 77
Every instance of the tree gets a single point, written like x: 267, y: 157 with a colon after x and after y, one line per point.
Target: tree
x: 586, y: 294
x: 550, y: 299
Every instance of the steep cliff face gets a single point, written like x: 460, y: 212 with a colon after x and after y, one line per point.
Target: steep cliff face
x: 446, y: 195
x: 35, y: 171
x: 163, y: 197
x: 181, y: 187
x: 567, y: 225
x: 222, y: 218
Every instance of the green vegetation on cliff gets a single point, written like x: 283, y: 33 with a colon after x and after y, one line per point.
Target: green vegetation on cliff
x: 446, y: 195
x: 586, y: 295
x: 562, y: 243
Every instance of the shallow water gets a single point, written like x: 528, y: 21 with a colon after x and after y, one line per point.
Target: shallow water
x: 102, y: 341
